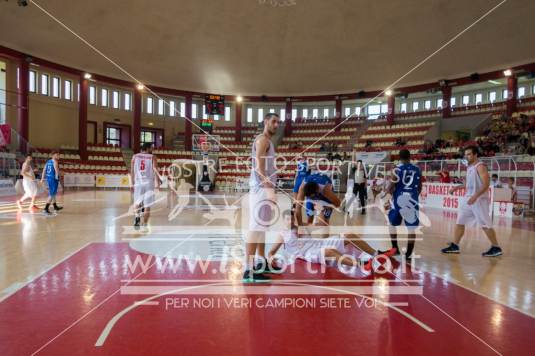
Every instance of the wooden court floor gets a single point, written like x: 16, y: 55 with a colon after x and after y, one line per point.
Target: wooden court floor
x: 64, y: 277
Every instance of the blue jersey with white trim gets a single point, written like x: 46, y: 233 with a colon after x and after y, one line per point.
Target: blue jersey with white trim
x: 50, y: 170
x: 321, y: 179
x: 302, y: 168
x: 407, y: 182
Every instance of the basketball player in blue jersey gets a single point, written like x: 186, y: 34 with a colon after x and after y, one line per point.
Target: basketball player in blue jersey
x: 317, y: 189
x: 51, y: 173
x: 300, y: 174
x: 405, y: 188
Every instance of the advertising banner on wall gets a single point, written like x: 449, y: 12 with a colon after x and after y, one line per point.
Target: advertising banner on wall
x: 112, y: 181
x: 507, y: 209
x: 436, y: 195
x: 78, y: 180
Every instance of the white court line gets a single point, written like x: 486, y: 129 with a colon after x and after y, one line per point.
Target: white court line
x: 13, y: 290
x: 281, y: 288
x: 456, y: 321
x: 147, y: 303
x: 91, y: 310
x: 109, y: 326
x: 273, y: 281
x: 458, y: 283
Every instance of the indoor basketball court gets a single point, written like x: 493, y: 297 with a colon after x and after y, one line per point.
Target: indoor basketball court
x: 267, y: 177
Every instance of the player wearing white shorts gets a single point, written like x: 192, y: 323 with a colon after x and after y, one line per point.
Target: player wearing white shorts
x: 261, y: 200
x: 144, y: 178
x: 322, y: 250
x: 28, y: 183
x: 474, y: 206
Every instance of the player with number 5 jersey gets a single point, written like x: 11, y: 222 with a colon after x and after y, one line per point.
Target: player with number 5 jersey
x: 144, y: 179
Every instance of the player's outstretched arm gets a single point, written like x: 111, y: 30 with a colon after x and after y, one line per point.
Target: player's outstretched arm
x: 485, y: 179
x: 299, y: 203
x: 43, y: 174
x: 56, y: 168
x: 132, y: 175
x: 157, y: 176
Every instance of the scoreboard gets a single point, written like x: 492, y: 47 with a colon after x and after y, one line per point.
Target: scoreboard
x: 207, y: 125
x: 214, y: 104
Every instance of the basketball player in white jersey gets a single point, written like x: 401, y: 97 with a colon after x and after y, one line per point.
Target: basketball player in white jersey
x: 474, y: 207
x: 261, y: 200
x: 144, y: 178
x: 28, y: 183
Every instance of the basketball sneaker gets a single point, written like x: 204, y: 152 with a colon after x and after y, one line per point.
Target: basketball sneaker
x: 266, y: 267
x: 494, y: 251
x: 137, y: 222
x: 252, y: 276
x: 57, y: 208
x: 452, y: 248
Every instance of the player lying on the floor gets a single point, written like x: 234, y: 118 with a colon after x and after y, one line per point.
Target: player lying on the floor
x: 316, y: 190
x: 322, y: 250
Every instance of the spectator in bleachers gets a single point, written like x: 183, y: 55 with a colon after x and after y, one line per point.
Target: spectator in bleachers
x: 511, y: 185
x: 444, y: 176
x: 495, y: 181
x: 400, y: 142
x: 531, y: 148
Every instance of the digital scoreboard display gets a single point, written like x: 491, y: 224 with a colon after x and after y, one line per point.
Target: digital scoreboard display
x: 214, y: 104
x: 207, y: 125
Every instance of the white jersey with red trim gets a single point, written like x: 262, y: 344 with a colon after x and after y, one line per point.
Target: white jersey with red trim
x: 143, y: 168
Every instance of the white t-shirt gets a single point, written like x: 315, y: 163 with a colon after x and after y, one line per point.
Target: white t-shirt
x: 360, y: 177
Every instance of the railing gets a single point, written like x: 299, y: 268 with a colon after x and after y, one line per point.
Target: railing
x: 503, y: 166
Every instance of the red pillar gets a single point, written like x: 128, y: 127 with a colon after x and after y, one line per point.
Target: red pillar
x: 82, y: 117
x: 391, y: 112
x: 23, y: 103
x: 512, y: 94
x: 446, y: 99
x: 136, y: 125
x: 238, y: 133
x: 187, y: 125
x: 338, y: 113
x: 288, y: 118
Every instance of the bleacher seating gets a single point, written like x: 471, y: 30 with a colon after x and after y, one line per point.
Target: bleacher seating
x: 383, y: 137
x: 102, y: 159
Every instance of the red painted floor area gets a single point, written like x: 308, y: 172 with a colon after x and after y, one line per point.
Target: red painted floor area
x: 57, y: 314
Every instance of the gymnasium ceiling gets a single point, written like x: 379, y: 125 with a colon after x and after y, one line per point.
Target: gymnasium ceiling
x: 250, y: 47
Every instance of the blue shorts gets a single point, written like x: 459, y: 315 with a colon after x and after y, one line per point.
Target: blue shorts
x: 309, y: 207
x: 52, y: 187
x: 298, y: 181
x: 408, y: 216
